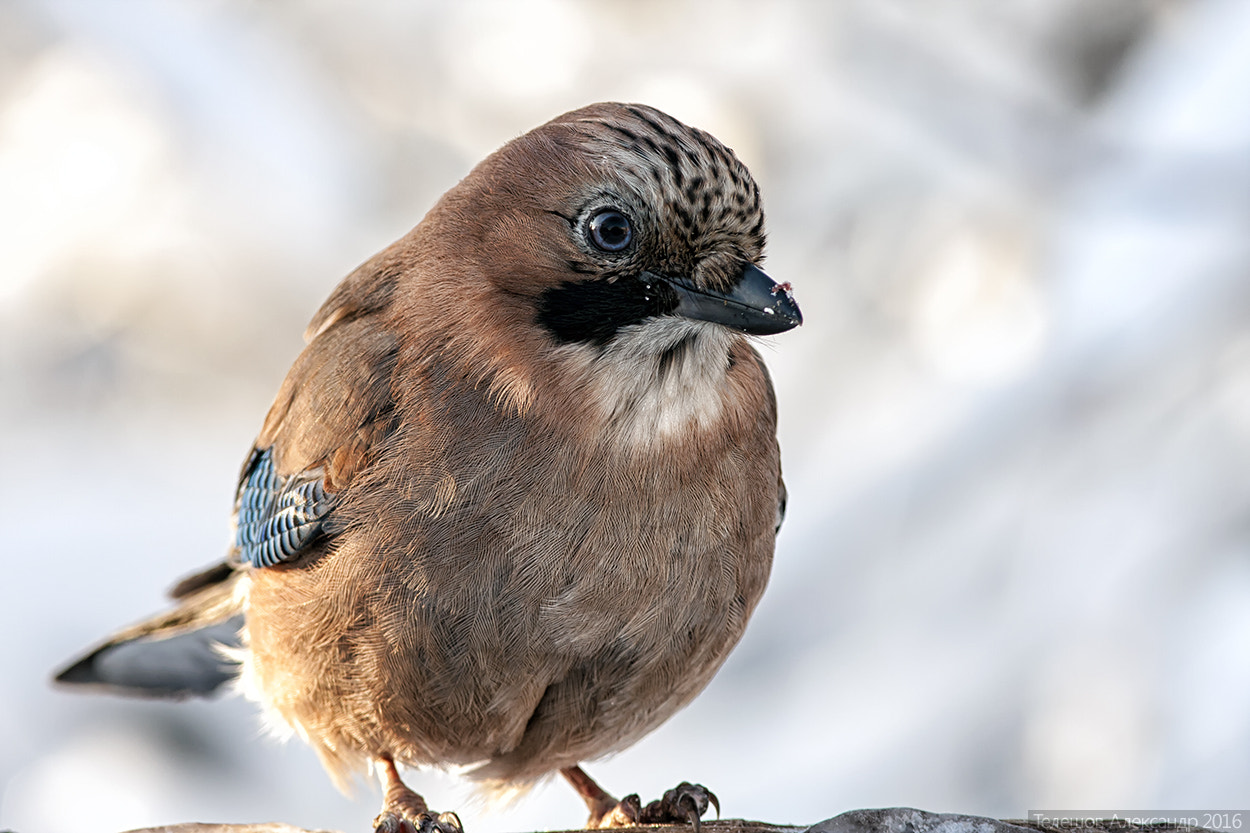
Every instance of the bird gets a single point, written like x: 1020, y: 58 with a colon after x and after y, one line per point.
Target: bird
x: 518, y: 495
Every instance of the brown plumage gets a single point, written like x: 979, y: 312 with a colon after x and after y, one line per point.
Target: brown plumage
x: 534, y: 470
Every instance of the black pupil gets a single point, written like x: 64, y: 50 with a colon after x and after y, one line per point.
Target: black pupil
x: 609, y: 230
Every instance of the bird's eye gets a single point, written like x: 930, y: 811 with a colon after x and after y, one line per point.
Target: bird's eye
x: 610, y: 231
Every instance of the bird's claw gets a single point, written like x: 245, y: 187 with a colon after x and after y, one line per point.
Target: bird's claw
x: 684, y: 803
x: 400, y: 822
x: 449, y: 822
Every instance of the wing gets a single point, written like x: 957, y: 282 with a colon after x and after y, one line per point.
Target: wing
x: 333, y: 408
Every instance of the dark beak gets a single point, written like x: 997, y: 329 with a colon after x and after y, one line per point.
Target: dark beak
x: 756, y: 305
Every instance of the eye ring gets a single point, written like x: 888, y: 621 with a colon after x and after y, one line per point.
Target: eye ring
x: 609, y: 230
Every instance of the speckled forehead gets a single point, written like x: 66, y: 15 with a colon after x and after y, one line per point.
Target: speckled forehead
x: 694, y: 180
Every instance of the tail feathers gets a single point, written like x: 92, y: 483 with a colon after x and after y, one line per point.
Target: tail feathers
x: 184, y: 665
x: 181, y: 653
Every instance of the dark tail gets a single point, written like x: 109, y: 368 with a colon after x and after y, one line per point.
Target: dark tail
x: 176, y: 654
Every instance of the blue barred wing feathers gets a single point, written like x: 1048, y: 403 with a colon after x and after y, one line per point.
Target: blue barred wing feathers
x: 276, y: 516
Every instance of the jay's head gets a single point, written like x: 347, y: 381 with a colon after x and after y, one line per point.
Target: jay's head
x: 613, y: 220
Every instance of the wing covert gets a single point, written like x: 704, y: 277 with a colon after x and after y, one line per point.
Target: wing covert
x: 277, y: 517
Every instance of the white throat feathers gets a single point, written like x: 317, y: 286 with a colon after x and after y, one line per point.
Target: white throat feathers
x: 658, y: 380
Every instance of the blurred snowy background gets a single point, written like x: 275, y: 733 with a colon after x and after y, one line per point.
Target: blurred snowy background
x: 1016, y: 426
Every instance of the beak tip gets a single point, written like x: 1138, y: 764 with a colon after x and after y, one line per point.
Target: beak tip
x: 786, y: 308
x: 787, y: 311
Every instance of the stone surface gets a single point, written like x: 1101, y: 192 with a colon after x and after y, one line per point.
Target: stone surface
x: 886, y: 820
x: 196, y: 827
x: 910, y: 820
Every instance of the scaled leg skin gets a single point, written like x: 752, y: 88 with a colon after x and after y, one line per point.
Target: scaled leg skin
x: 404, y: 811
x: 684, y: 803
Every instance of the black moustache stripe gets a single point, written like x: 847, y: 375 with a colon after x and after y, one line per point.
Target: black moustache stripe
x: 593, y: 311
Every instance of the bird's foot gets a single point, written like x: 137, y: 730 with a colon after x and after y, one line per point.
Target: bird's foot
x: 398, y: 821
x: 685, y: 803
x: 405, y: 811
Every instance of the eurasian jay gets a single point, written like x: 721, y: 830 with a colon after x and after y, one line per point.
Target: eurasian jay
x: 517, y: 497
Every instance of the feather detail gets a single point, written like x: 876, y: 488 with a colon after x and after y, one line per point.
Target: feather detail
x: 277, y: 517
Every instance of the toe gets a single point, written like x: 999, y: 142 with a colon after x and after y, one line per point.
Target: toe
x: 626, y: 813
x: 390, y: 823
x: 393, y: 822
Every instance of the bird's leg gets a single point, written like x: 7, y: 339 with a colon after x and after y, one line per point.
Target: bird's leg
x: 605, y: 811
x: 685, y: 802
x: 404, y: 811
